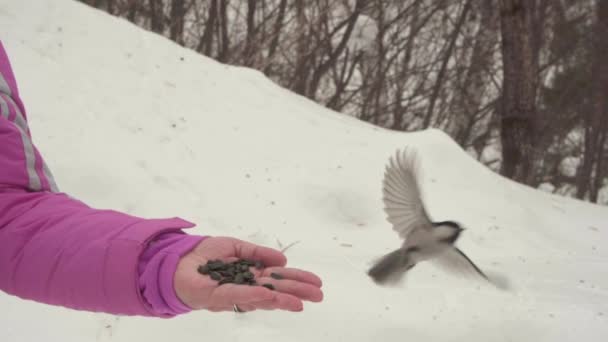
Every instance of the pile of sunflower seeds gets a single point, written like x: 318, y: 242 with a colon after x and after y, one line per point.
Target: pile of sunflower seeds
x: 236, y: 272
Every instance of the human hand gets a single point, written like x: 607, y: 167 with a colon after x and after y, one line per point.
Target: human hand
x: 201, y: 292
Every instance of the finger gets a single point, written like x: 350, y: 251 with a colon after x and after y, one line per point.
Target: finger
x: 245, y: 308
x: 294, y: 274
x: 281, y: 301
x: 218, y: 309
x: 295, y: 288
x: 269, y: 256
x: 241, y: 308
x: 229, y: 294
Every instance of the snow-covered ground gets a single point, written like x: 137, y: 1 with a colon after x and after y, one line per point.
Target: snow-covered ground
x: 131, y: 121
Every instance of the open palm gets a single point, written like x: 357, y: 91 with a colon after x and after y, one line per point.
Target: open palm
x: 201, y: 292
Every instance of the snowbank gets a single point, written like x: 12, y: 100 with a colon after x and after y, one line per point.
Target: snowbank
x: 131, y: 121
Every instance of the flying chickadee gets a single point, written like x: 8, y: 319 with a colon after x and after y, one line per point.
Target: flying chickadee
x: 424, y: 240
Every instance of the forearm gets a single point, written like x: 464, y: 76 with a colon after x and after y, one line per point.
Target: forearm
x: 57, y: 250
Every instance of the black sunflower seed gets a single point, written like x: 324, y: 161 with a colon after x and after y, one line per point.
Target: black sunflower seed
x: 276, y: 276
x: 234, y: 272
x: 203, y: 269
x: 216, y: 265
x: 226, y: 273
x: 268, y: 286
x: 226, y: 281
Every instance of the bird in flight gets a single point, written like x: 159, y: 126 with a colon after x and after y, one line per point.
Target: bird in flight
x: 423, y: 239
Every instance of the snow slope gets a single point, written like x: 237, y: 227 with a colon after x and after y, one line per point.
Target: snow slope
x: 129, y: 120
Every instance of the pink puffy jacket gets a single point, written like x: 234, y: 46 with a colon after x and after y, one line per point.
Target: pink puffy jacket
x: 55, y: 249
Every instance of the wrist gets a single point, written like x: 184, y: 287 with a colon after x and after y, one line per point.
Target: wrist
x: 157, y: 269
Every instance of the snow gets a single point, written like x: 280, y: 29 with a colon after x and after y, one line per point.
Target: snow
x: 131, y: 121
x: 569, y: 165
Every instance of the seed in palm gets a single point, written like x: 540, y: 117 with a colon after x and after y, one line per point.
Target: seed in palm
x: 239, y: 279
x: 236, y: 272
x: 203, y: 269
x: 227, y: 273
x: 268, y: 286
x: 226, y: 281
x: 248, y: 262
x: 216, y: 265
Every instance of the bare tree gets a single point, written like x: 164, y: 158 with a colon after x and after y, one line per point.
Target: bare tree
x: 444, y: 63
x: 157, y: 21
x: 518, y: 112
x: 332, y: 54
x: 250, y: 50
x: 132, y: 6
x: 468, y: 111
x: 178, y: 13
x: 303, y: 40
x: 411, y: 64
x: 224, y: 45
x: 593, y: 167
x: 276, y: 34
x: 205, y: 44
x: 111, y: 6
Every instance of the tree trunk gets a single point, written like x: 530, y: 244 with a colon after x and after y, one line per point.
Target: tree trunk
x: 111, y: 6
x: 225, y: 40
x: 333, y: 55
x: 132, y: 10
x: 278, y: 27
x: 157, y: 16
x: 600, y: 99
x: 404, y: 68
x: 586, y: 167
x: 342, y: 80
x: 178, y: 12
x: 379, y: 85
x: 248, y: 55
x: 476, y: 80
x: 518, y: 112
x: 302, y: 72
x: 444, y: 64
x: 596, y: 121
x: 205, y: 45
x: 600, y: 166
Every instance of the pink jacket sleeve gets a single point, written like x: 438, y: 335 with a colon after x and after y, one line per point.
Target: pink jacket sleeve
x: 57, y: 250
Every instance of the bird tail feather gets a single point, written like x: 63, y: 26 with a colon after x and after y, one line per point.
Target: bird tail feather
x: 390, y: 268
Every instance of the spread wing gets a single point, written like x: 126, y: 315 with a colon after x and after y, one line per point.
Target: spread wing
x: 456, y: 262
x: 401, y: 195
